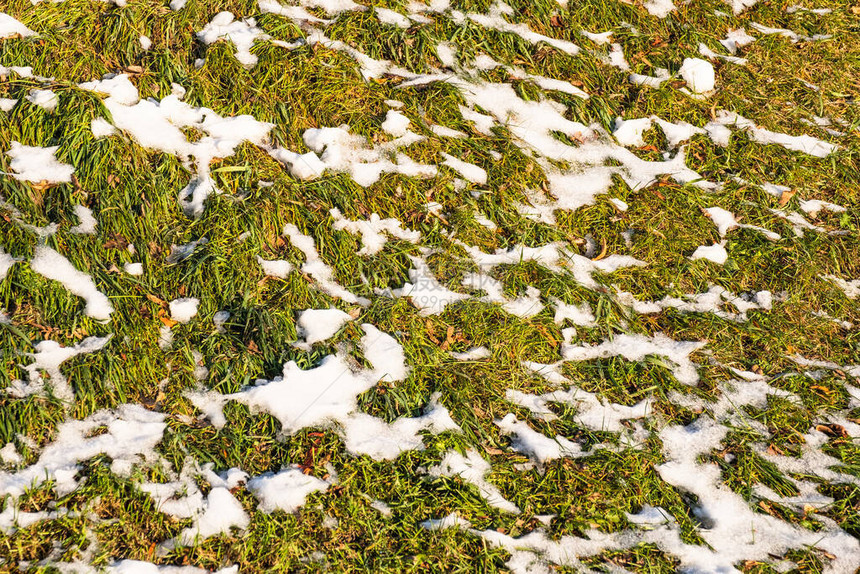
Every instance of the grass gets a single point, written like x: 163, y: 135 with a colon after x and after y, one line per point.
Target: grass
x: 133, y: 193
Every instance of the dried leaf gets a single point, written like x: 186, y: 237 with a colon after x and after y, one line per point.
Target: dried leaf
x: 832, y: 429
x: 786, y: 197
x: 602, y: 253
x: 156, y: 300
x: 165, y: 318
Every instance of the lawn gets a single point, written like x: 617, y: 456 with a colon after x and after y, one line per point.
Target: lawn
x: 544, y: 286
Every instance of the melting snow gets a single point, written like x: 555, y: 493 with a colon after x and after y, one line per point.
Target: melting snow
x: 38, y: 164
x: 52, y: 265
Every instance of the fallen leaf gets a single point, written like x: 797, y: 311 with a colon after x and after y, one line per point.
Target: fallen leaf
x: 156, y: 300
x: 775, y: 450
x: 602, y: 253
x: 786, y: 197
x: 832, y: 429
x: 165, y: 318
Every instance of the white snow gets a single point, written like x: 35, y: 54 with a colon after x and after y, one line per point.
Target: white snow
x: 286, y: 490
x: 716, y: 253
x: 9, y: 454
x: 791, y: 35
x: 469, y: 171
x: 242, y: 33
x: 637, y: 347
x: 86, y: 222
x: 37, y: 164
x: 339, y: 150
x: 135, y: 269
x: 580, y: 315
x: 316, y: 267
x: 392, y: 18
x: 714, y: 301
x: 315, y: 325
x: 474, y: 470
x: 851, y: 288
x: 473, y: 354
x: 814, y: 206
x: 395, y: 124
x: 101, y: 128
x: 183, y: 309
x: 216, y: 513
x: 6, y: 263
x: 601, y: 38
x: 537, y: 446
x: 275, y: 267
x: 48, y: 357
x: 52, y: 265
x: 736, y: 39
x: 593, y: 412
x: 494, y: 20
x: 806, y: 144
x: 699, y: 75
x: 452, y: 520
x: 659, y: 8
x: 445, y: 132
x: 131, y: 434
x: 373, y: 231
x: 45, y: 99
x: 10, y: 27
x: 157, y: 125
x: 425, y: 291
x: 739, y: 6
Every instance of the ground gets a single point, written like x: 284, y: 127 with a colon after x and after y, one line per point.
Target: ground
x: 530, y: 370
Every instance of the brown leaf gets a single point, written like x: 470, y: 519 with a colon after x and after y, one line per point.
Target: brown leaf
x: 116, y: 242
x: 550, y: 339
x: 786, y: 197
x: 156, y: 300
x: 448, y: 338
x: 833, y: 430
x: 252, y: 346
x: 775, y: 450
x: 821, y: 390
x: 602, y: 253
x: 77, y: 185
x: 556, y: 21
x: 164, y: 318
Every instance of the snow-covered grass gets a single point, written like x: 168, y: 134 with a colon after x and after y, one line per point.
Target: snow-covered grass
x: 387, y: 285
